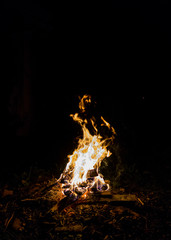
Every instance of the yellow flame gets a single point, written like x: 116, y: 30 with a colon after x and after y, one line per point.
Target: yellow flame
x: 91, y: 150
x: 86, y: 99
x: 108, y: 125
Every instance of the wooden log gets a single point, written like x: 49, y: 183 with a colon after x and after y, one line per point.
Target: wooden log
x: 70, y: 228
x: 103, y: 194
x: 128, y: 200
x: 92, y: 173
x: 114, y: 199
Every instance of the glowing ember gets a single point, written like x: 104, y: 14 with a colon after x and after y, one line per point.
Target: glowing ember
x: 82, y: 170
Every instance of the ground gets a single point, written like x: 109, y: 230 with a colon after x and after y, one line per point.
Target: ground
x: 34, y: 210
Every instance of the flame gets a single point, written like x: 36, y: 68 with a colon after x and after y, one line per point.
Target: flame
x: 87, y: 157
x: 86, y: 99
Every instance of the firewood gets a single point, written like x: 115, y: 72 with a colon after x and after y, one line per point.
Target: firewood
x: 74, y: 228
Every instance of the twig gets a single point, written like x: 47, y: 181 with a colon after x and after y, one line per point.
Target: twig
x: 8, y: 221
x: 30, y: 199
x: 140, y: 201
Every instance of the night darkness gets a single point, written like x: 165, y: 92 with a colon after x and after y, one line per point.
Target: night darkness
x: 118, y: 53
x: 51, y: 53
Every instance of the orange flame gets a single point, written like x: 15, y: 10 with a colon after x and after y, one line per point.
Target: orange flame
x: 91, y: 151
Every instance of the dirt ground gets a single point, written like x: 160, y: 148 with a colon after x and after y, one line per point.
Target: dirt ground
x: 35, y: 211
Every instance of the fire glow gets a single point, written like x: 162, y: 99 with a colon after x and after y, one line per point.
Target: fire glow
x: 82, y: 170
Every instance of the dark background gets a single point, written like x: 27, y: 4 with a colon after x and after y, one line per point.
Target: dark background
x: 118, y: 52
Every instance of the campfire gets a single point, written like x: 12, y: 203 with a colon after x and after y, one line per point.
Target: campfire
x: 80, y: 204
x: 81, y: 174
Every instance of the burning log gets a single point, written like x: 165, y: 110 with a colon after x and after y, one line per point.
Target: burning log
x: 92, y: 173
